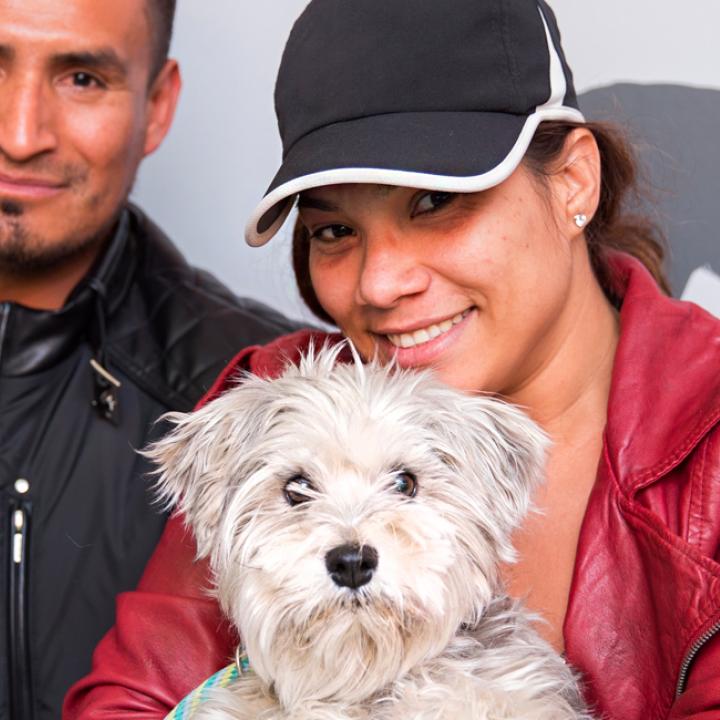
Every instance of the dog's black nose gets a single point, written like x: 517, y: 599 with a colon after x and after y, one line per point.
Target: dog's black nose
x: 351, y: 565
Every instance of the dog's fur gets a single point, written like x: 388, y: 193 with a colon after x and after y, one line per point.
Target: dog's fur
x: 431, y: 636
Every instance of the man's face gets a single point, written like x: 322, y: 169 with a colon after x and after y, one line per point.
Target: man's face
x: 77, y: 114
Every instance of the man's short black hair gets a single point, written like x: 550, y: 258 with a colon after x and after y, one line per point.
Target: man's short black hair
x: 161, y: 14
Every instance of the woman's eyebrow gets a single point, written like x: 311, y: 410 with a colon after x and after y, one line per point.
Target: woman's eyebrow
x: 307, y: 201
x: 385, y: 190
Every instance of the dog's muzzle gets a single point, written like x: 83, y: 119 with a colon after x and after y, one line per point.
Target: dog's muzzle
x: 351, y: 566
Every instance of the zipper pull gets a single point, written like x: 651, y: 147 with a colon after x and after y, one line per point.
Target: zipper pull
x: 106, y: 392
x: 18, y: 539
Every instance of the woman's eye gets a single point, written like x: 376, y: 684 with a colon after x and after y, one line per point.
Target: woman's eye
x: 298, y: 490
x: 405, y: 483
x: 330, y: 233
x: 430, y: 201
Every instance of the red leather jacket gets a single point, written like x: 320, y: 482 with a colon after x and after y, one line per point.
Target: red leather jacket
x: 643, y: 620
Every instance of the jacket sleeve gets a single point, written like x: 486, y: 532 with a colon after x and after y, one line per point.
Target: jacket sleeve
x: 169, y: 637
x: 701, y: 699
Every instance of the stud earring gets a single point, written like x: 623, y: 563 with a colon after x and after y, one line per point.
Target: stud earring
x: 580, y: 220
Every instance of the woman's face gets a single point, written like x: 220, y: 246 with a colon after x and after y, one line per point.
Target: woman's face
x: 473, y: 285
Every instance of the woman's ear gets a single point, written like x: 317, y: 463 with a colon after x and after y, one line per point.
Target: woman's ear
x: 577, y: 180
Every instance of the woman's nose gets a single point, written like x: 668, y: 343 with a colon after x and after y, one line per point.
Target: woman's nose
x: 389, y: 272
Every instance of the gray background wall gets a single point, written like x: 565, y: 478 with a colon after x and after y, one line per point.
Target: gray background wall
x: 223, y: 148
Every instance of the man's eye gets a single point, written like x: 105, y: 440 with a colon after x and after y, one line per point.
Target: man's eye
x: 330, y: 233
x: 85, y: 80
x: 431, y: 201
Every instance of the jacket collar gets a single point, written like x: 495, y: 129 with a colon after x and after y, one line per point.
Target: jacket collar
x: 665, y: 390
x: 34, y: 340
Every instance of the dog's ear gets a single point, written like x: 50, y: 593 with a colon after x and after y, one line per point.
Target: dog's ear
x: 201, y: 458
x: 503, y: 452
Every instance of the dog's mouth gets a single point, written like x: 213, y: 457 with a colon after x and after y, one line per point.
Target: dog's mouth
x: 358, y: 602
x: 354, y: 601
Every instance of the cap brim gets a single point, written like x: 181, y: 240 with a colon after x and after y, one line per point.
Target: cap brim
x: 445, y: 151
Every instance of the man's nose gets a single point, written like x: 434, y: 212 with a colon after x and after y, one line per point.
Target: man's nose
x: 389, y: 272
x: 26, y: 118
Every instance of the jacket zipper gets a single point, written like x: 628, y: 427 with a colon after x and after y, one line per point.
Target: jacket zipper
x: 21, y: 701
x: 694, y: 650
x: 4, y: 315
x: 19, y: 507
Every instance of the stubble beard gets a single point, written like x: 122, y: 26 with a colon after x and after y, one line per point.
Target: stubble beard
x: 24, y: 254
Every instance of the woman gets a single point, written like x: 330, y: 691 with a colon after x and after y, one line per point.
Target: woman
x: 456, y: 212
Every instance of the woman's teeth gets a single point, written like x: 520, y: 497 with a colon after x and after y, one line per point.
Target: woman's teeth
x: 423, y: 335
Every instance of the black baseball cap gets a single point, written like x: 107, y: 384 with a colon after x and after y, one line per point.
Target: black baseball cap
x: 435, y: 94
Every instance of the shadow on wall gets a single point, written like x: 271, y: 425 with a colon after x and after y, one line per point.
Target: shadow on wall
x: 676, y: 132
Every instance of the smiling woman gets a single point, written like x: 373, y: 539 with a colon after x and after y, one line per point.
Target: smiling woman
x: 455, y: 212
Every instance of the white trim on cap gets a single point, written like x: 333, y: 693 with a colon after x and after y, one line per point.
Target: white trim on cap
x: 553, y: 109
x: 403, y: 178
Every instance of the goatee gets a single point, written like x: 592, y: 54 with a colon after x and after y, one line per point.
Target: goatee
x: 24, y: 254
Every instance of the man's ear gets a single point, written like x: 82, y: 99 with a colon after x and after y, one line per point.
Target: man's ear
x: 161, y: 103
x: 576, y: 179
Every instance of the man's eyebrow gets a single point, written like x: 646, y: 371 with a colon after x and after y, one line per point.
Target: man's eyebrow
x: 101, y: 59
x: 307, y: 201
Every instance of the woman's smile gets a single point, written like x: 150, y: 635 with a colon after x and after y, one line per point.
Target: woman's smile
x: 412, y: 338
x: 422, y: 346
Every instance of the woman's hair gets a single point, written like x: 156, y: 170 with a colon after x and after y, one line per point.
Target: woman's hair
x: 301, y: 267
x: 613, y: 227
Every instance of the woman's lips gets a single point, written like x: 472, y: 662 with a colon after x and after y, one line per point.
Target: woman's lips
x: 424, y: 345
x: 425, y: 334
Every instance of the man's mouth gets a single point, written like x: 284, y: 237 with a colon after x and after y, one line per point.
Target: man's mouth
x: 423, y: 335
x: 28, y: 187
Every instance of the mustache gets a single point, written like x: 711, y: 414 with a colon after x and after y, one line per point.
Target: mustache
x: 45, y: 167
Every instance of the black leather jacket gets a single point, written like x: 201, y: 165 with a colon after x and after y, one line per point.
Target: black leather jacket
x: 77, y: 522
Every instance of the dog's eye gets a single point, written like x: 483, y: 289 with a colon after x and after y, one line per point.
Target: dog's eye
x: 296, y: 490
x: 405, y: 483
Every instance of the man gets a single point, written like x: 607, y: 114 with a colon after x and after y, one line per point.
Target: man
x: 103, y: 327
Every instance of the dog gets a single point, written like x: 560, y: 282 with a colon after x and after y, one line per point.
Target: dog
x: 354, y: 517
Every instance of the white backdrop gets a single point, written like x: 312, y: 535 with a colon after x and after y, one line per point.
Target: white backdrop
x: 223, y: 149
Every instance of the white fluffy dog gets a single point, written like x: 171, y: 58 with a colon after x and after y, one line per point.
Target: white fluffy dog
x: 354, y: 517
